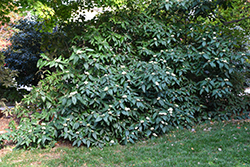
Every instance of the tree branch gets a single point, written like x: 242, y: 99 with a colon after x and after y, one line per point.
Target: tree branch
x: 236, y: 21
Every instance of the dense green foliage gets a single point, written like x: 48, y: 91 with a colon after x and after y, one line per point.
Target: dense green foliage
x: 54, y: 11
x: 61, y: 10
x: 136, y: 74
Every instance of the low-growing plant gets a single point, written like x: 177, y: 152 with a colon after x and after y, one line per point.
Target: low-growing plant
x: 135, y: 78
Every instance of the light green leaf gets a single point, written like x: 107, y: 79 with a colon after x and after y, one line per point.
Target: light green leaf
x: 74, y: 100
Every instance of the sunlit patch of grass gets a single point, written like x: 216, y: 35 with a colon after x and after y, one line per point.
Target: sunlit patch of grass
x: 221, y: 144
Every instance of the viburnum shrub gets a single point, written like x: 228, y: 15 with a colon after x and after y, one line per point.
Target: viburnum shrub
x: 138, y: 75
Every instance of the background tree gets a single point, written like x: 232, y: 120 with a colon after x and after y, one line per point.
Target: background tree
x: 25, y: 51
x: 237, y: 15
x: 6, y: 31
x: 6, y: 7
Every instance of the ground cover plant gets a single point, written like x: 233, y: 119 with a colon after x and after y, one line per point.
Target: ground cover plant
x: 219, y: 144
x: 136, y: 74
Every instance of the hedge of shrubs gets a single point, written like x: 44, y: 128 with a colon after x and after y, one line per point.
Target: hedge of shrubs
x: 133, y: 76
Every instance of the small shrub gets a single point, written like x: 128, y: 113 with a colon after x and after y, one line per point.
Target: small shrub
x: 25, y: 51
x: 29, y: 42
x: 6, y: 75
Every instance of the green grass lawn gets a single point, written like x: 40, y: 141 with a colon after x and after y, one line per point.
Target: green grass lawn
x: 221, y: 144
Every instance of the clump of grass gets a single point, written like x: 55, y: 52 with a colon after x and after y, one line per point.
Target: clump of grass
x: 219, y: 144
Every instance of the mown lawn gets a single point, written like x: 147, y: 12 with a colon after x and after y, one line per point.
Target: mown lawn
x: 220, y: 144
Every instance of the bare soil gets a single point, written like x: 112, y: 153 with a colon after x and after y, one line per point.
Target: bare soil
x: 4, y: 124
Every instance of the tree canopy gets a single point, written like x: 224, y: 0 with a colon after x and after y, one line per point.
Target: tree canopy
x: 224, y: 11
x: 6, y: 7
